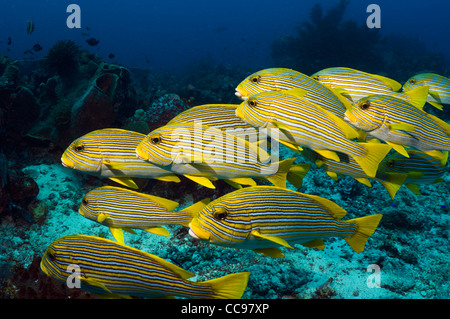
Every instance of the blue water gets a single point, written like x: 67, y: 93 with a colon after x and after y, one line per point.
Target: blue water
x: 173, y: 33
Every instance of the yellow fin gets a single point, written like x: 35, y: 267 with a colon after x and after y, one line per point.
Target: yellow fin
x: 275, y: 239
x: 270, y: 252
x: 376, y: 152
x: 169, y: 178
x: 437, y: 105
x: 316, y: 243
x: 279, y: 179
x: 341, y: 97
x: 393, y: 182
x: 394, y: 85
x: 204, y: 181
x: 445, y: 158
x: 101, y: 217
x: 125, y: 181
x: 117, y: 234
x: 418, y: 96
x: 335, y: 210
x: 95, y: 283
x: 413, y: 188
x: 286, y: 131
x: 228, y: 287
x: 293, y: 147
x: 445, y: 126
x: 129, y: 230
x: 349, y: 131
x: 297, y: 173
x: 168, y: 204
x: 299, y: 92
x: 401, y: 127
x: 329, y: 154
x: 235, y: 185
x: 399, y: 148
x: 436, y: 154
x: 158, y: 231
x: 333, y: 175
x: 366, y: 227
x: 195, y: 208
x: 243, y: 181
x: 364, y: 181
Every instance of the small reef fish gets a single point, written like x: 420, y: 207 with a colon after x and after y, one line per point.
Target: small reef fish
x: 438, y: 88
x: 305, y: 124
x: 30, y: 27
x: 111, y: 153
x: 205, y: 154
x: 124, y: 209
x: 418, y: 169
x: 280, y: 79
x: 108, y: 268
x: 355, y: 85
x: 263, y: 218
x: 220, y: 116
x: 92, y: 41
x: 400, y: 124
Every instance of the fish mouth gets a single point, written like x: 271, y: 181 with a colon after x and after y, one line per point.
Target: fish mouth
x: 141, y: 154
x: 239, y: 113
x: 196, y: 231
x: 240, y: 94
x: 349, y: 117
x: 66, y: 162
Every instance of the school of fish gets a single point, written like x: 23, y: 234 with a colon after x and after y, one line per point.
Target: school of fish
x: 345, y: 121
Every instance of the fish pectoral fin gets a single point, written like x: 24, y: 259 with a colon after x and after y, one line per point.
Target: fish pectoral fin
x: 275, y: 239
x: 235, y: 185
x: 399, y: 148
x: 204, y: 181
x: 414, y: 188
x: 95, y: 283
x: 158, y: 231
x: 102, y: 217
x: 286, y: 131
x: 169, y: 178
x: 117, y: 234
x: 243, y: 181
x: 316, y: 243
x: 329, y: 154
x: 125, y: 181
x: 437, y: 105
x: 270, y: 252
x: 293, y: 147
x: 401, y: 127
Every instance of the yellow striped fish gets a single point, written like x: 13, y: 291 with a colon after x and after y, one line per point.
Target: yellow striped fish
x: 124, y: 209
x: 438, y: 88
x: 355, y: 85
x: 304, y: 124
x: 400, y: 124
x: 105, y: 267
x: 416, y: 170
x: 280, y: 79
x: 263, y: 218
x: 204, y: 154
x: 111, y: 153
x: 220, y: 116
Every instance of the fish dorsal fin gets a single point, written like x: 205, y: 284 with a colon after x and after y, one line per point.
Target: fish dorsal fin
x: 399, y: 148
x: 204, y: 181
x: 169, y: 178
x: 158, y: 231
x: 275, y: 239
x: 117, y: 234
x: 418, y: 96
x: 394, y: 85
x: 316, y: 243
x: 125, y: 181
x: 270, y: 252
x: 168, y: 204
x: 335, y: 210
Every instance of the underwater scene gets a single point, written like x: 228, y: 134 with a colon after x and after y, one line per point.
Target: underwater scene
x: 224, y: 150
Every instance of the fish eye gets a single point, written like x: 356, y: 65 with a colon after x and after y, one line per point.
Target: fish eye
x: 155, y: 140
x: 84, y: 201
x: 252, y: 102
x: 79, y: 147
x: 412, y: 81
x: 315, y: 77
x: 220, y: 214
x: 364, y: 105
x: 255, y: 79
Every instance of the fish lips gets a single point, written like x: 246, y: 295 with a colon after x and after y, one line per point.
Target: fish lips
x: 240, y: 94
x: 196, y: 231
x: 66, y: 162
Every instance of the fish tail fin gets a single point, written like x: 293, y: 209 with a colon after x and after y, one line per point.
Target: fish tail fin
x: 366, y: 227
x: 297, y: 173
x: 376, y: 152
x: 279, y: 178
x: 229, y: 286
x: 193, y: 210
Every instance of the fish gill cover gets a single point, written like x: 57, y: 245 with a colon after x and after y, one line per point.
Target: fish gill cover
x: 64, y: 90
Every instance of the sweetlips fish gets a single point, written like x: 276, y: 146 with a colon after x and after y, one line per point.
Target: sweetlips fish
x: 419, y: 168
x: 205, y: 154
x: 264, y: 218
x: 111, y: 153
x: 438, y: 88
x: 124, y: 209
x: 281, y: 79
x: 400, y: 124
x: 220, y: 116
x: 105, y: 267
x: 305, y: 124
x: 355, y: 85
